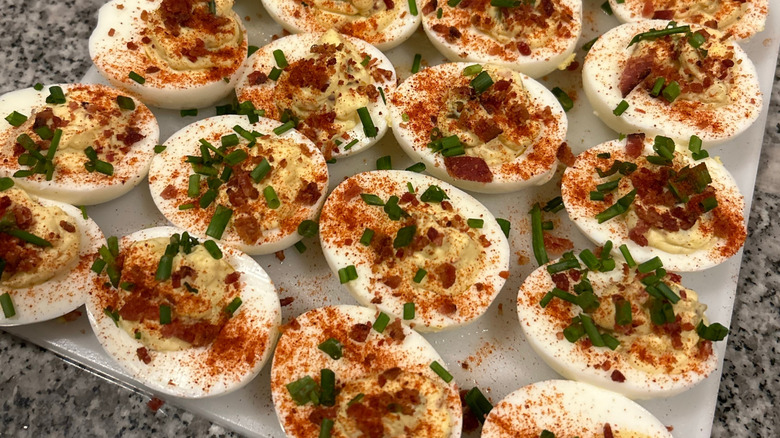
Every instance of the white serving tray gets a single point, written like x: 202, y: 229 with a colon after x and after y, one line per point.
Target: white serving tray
x: 498, y: 357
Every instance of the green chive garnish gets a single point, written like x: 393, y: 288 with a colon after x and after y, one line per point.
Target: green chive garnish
x: 260, y: 171
x: 481, y: 82
x: 433, y: 193
x: 623, y: 314
x: 408, y: 311
x: 16, y: 119
x: 416, y: 167
x: 404, y: 236
x: 606, y: 8
x: 475, y: 223
x: 189, y: 112
x: 420, y: 275
x: 281, y: 61
x: 113, y: 314
x: 28, y: 237
x: 281, y: 129
x: 650, y: 265
x: 308, y: 228
x: 213, y: 249
x: 159, y: 148
x: 303, y: 390
x: 38, y: 86
x: 327, y: 424
x: 218, y: 222
x: 136, y: 77
x: 438, y: 369
x: 563, y: 99
x: 233, y: 306
x: 8, y: 305
x: 713, y: 332
x: 55, y: 95
x: 417, y: 60
x: 332, y: 347
x: 618, y: 208
x: 327, y: 387
x: 384, y: 163
x: 371, y: 199
x: 270, y: 198
x: 251, y: 50
x: 472, y: 70
x: 413, y: 7
x: 368, y: 125
x: 480, y: 406
x: 365, y: 61
x: 655, y: 33
x: 592, y: 331
x: 347, y: 274
x: 627, y: 255
x: 165, y: 314
x: 274, y: 74
x: 300, y: 247
x: 537, y: 235
x: 126, y: 103
x: 671, y: 91
x: 586, y: 47
x: 368, y: 234
x: 453, y: 3
x: 621, y: 108
x: 6, y: 183
x: 505, y: 225
x: 381, y: 322
x: 709, y: 203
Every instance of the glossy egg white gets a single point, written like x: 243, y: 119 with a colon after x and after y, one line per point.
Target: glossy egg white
x: 82, y: 187
x: 343, y: 221
x: 582, y: 178
x: 296, y: 47
x: 568, y: 408
x: 69, y: 288
x: 419, y: 97
x: 121, y: 25
x: 297, y: 355
x: 186, y: 373
x: 296, y: 18
x: 748, y: 19
x: 471, y: 44
x: 169, y: 168
x: 601, y: 74
x: 543, y: 328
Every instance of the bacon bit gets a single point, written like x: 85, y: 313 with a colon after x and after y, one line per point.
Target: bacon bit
x: 635, y: 145
x: 359, y: 332
x: 447, y: 308
x: 279, y: 255
x: 504, y: 274
x: 712, y: 24
x: 395, y: 330
x: 389, y: 374
x: 480, y: 287
x: 257, y: 78
x: 430, y: 7
x: 232, y: 277
x: 131, y: 45
x: 247, y: 228
x: 308, y: 194
x: 565, y: 155
x: 547, y: 7
x: 670, y: 428
x: 67, y: 226
x: 648, y: 9
x: 561, y: 281
x: 155, y: 404
x: 446, y: 274
x: 292, y: 325
x: 286, y: 301
x: 676, y: 278
x: 143, y: 355
x: 319, y: 413
x: 393, y: 281
x: 617, y: 376
x: 389, y: 4
x: 131, y: 136
x: 468, y: 168
x: 446, y: 206
x: 450, y: 33
x: 574, y: 65
x: 169, y: 192
x: 111, y: 32
x: 635, y: 72
x: 666, y: 14
x: 376, y: 300
x: 608, y: 431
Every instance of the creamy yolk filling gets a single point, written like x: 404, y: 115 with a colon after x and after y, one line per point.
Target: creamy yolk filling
x: 704, y: 75
x: 197, y: 294
x: 88, y: 118
x: 327, y: 100
x: 494, y: 125
x: 382, y: 11
x: 27, y: 264
x: 186, y: 36
x: 646, y: 346
x: 696, y: 238
x: 404, y: 404
x: 724, y: 12
x: 528, y: 22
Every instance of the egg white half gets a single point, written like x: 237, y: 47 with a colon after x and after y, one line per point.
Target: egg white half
x: 601, y: 74
x: 344, y: 221
x: 543, y: 330
x: 569, y: 408
x: 169, y: 168
x: 296, y: 18
x: 120, y: 23
x: 419, y: 97
x: 67, y: 290
x: 80, y: 188
x: 475, y: 45
x: 189, y: 373
x: 296, y: 47
x: 748, y: 21
x: 298, y: 355
x: 581, y: 178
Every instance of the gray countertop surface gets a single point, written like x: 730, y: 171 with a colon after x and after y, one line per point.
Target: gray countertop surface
x: 43, y: 395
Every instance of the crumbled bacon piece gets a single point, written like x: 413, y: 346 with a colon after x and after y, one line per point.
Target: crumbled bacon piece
x: 447, y: 308
x: 565, y: 155
x: 143, y: 355
x: 468, y: 168
x: 608, y: 431
x: 67, y: 226
x: 637, y: 69
x: 169, y: 192
x: 392, y: 281
x: 308, y: 194
x: 155, y: 404
x: 395, y: 330
x: 617, y: 376
x: 286, y: 301
x: 635, y: 143
x: 232, y: 277
x: 430, y: 7
x: 359, y: 332
x: 446, y: 274
x: 665, y: 14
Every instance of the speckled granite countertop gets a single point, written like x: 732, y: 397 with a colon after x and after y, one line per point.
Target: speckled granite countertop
x: 42, y: 395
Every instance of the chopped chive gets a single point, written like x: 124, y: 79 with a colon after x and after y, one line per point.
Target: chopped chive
x: 165, y: 314
x: 472, y: 70
x: 650, y: 265
x: 233, y: 306
x: 98, y: 265
x: 28, y: 237
x: 113, y: 314
x: 586, y: 47
x: 381, y: 322
x: 480, y: 406
x: 193, y: 186
x: 413, y: 7
x: 327, y: 424
x: 574, y: 331
x: 229, y: 140
x: 136, y: 77
x: 623, y: 314
x: 38, y: 86
x: 505, y: 3
x: 350, y: 144
x: 417, y: 59
x: 537, y: 235
x: 433, y: 193
x: 6, y: 183
x: 453, y: 3
x: 308, y: 228
x: 189, y: 112
x: 713, y: 332
x: 596, y: 196
x: 274, y: 74
x: 384, y: 163
x: 667, y: 292
x: 627, y: 255
x: 408, y: 311
x: 590, y: 260
x: 212, y: 7
x: 236, y: 157
x: 218, y: 222
x: 416, y: 167
x: 505, y: 226
x: 44, y: 132
x: 270, y: 198
x: 439, y: 13
x: 708, y: 203
x: 125, y: 285
x: 475, y: 223
x: 563, y: 99
x: 368, y: 125
x: 159, y: 148
x: 356, y: 399
x: 365, y: 61
x: 260, y: 171
x: 696, y: 39
x: 55, y: 95
x: 327, y: 387
x: 347, y: 274
x: 371, y: 199
x: 621, y: 108
x: 8, y: 305
x: 303, y: 390
x: 16, y: 119
x: 368, y: 234
x: 404, y: 236
x: 563, y: 265
x: 213, y: 249
x: 655, y: 33
x: 671, y: 91
x: 281, y: 129
x: 606, y: 8
x: 608, y: 186
x: 592, y: 331
x: 137, y: 335
x: 618, y: 208
x: 332, y: 347
x: 481, y: 82
x: 610, y: 341
x: 300, y: 247
x: 251, y: 50
x: 281, y: 61
x: 554, y: 205
x: 187, y: 206
x: 126, y: 103
x: 438, y: 369
x: 164, y: 268
x: 207, y: 198
x: 658, y: 85
x: 420, y: 275
x: 243, y: 133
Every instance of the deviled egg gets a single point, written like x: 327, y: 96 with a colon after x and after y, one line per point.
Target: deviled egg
x: 184, y: 317
x: 482, y: 128
x: 176, y: 54
x: 77, y: 143
x: 414, y: 247
x: 250, y: 185
x: 330, y: 86
x: 346, y: 371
